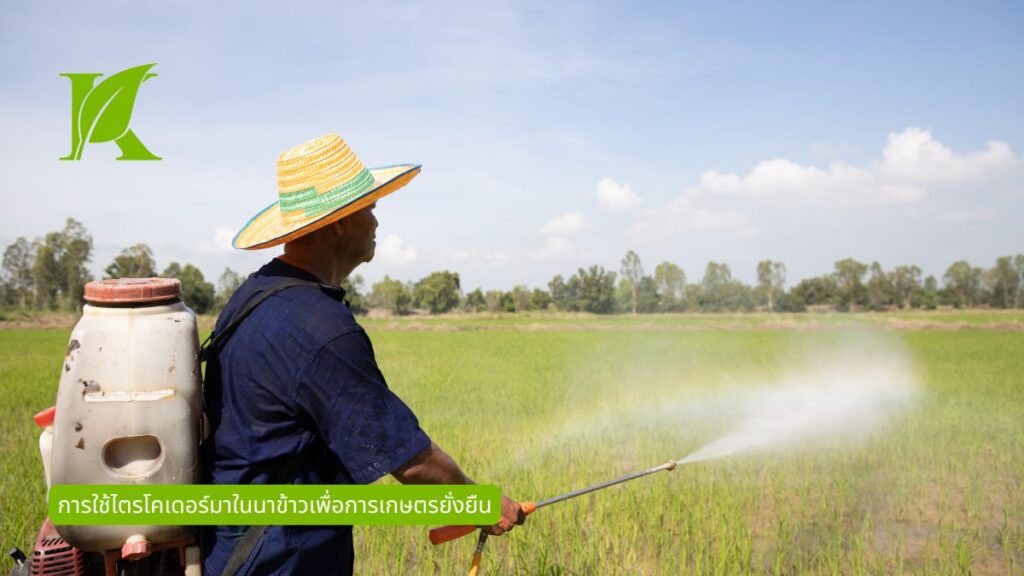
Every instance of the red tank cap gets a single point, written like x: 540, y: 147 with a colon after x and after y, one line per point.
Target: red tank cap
x: 132, y: 290
x: 45, y: 418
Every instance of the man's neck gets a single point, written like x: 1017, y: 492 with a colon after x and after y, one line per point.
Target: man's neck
x: 330, y: 272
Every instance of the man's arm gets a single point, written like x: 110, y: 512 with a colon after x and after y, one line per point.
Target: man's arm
x: 434, y: 466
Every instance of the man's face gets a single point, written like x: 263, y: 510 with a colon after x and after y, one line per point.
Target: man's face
x: 360, y: 233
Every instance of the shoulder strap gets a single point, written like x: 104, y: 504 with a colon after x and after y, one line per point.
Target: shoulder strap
x: 286, y: 473
x: 216, y: 340
x: 253, y: 534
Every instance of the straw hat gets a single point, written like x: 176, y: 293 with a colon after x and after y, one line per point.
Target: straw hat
x: 318, y: 183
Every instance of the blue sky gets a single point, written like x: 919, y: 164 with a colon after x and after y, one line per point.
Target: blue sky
x: 553, y: 135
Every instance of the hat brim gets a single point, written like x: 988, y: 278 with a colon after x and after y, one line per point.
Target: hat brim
x: 267, y: 228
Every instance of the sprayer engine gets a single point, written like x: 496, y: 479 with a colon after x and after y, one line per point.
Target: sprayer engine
x: 53, y: 556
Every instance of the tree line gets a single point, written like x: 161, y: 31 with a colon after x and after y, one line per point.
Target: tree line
x: 50, y: 273
x: 851, y: 286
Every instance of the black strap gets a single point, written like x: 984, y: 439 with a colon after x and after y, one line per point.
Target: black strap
x: 286, y: 473
x: 215, y: 340
x: 253, y: 534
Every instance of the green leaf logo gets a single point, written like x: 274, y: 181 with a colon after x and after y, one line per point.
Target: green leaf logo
x: 102, y: 113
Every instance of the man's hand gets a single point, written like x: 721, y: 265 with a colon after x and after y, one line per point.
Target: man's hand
x: 512, y: 515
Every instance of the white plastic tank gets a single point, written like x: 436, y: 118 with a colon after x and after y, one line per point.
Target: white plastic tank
x: 129, y: 405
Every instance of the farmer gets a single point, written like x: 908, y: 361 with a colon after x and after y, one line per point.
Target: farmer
x: 294, y: 395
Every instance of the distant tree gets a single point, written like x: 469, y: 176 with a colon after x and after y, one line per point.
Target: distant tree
x: 930, y: 293
x: 1018, y: 265
x: 849, y: 275
x: 817, y: 291
x: 59, y: 270
x: 771, y: 281
x: 694, y: 297
x: 647, y: 295
x: 17, y: 272
x: 493, y: 299
x: 563, y: 294
x: 881, y: 292
x: 595, y: 290
x: 475, y: 301
x: 906, y: 282
x: 46, y: 271
x: 439, y: 292
x: 508, y: 303
x: 77, y: 253
x: 173, y: 270
x: 670, y: 283
x: 715, y: 284
x: 520, y: 298
x: 196, y: 292
x: 719, y: 292
x: 226, y: 286
x: 540, y: 299
x: 623, y: 297
x: 391, y: 295
x: 764, y: 284
x: 964, y: 281
x: 790, y: 302
x: 353, y: 286
x: 1003, y: 283
x: 133, y: 262
x: 632, y: 271
x: 778, y: 277
x: 741, y: 297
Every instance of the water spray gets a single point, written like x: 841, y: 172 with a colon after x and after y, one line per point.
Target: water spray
x: 847, y: 396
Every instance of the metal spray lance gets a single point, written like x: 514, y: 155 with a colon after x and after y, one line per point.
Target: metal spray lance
x: 449, y: 533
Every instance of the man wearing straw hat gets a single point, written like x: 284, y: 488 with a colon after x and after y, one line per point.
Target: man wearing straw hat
x: 294, y: 395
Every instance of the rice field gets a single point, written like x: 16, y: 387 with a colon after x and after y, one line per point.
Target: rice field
x: 542, y: 405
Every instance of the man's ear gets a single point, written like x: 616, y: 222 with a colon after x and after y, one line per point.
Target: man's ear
x: 338, y: 228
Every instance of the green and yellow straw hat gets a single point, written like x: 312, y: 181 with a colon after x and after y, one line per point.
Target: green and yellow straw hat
x: 318, y: 183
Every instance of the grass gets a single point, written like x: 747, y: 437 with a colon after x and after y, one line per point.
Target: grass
x: 542, y: 405
x: 30, y: 362
x: 937, y: 319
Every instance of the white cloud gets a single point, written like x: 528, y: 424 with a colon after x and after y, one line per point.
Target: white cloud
x: 392, y: 250
x: 914, y: 156
x: 912, y: 165
x: 912, y: 162
x: 896, y: 194
x: 557, y: 245
x: 565, y: 225
x: 713, y: 181
x: 220, y: 243
x: 686, y: 212
x: 614, y: 196
x: 555, y: 248
x: 783, y: 180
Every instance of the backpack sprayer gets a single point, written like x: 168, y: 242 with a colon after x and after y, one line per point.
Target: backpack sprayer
x: 129, y: 411
x: 449, y: 533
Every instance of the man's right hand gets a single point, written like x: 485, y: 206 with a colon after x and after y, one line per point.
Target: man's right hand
x: 512, y: 515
